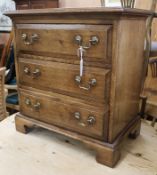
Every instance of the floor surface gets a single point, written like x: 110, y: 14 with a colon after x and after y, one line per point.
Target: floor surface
x: 42, y: 152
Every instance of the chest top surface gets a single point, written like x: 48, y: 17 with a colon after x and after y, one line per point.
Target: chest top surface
x: 81, y: 11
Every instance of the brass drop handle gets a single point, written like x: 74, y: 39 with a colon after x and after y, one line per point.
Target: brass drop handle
x: 94, y: 40
x: 29, y: 41
x: 92, y: 82
x: 82, y: 48
x: 36, y: 73
x: 91, y: 120
x: 77, y: 116
x: 37, y: 106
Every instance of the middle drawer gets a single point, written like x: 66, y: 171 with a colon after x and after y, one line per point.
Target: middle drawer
x: 64, y: 78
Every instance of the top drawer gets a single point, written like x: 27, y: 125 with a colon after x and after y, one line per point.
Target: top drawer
x: 58, y: 40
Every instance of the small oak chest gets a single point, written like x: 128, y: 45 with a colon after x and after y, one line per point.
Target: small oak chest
x: 79, y: 74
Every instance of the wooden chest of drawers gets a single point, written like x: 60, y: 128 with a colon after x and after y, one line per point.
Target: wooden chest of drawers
x: 36, y: 4
x: 98, y: 104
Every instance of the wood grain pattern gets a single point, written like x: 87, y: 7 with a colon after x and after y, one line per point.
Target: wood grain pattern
x: 61, y: 77
x: 61, y: 112
x: 127, y: 74
x: 79, y: 11
x: 60, y: 40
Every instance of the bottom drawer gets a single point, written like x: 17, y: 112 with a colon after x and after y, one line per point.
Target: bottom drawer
x: 66, y: 112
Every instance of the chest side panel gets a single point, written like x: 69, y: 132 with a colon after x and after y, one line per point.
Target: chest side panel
x: 127, y: 71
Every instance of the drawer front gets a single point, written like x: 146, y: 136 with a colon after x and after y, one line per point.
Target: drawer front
x: 64, y: 78
x: 65, y: 112
x: 40, y: 4
x: 22, y: 5
x: 59, y: 40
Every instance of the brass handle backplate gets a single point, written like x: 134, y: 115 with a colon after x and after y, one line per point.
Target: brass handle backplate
x: 77, y: 115
x: 92, y: 82
x: 28, y: 102
x: 37, y: 106
x: 91, y: 120
x: 36, y: 73
x: 29, y: 40
x: 26, y: 70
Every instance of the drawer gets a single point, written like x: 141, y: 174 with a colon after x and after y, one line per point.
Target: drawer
x: 65, y: 112
x: 64, y: 40
x: 40, y: 4
x: 22, y: 5
x: 64, y: 78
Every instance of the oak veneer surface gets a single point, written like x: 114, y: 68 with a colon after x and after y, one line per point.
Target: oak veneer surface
x: 60, y: 112
x: 58, y: 83
x: 62, y: 34
x: 49, y: 65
